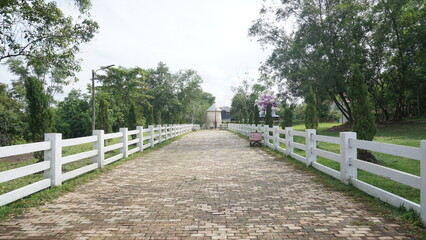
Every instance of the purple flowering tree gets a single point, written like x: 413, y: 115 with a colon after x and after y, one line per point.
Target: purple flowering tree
x: 263, y: 100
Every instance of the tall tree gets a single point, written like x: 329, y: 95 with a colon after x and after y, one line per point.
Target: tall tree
x: 124, y: 86
x: 39, y: 114
x: 149, y: 116
x: 73, y: 116
x: 132, y: 118
x: 12, y: 125
x: 52, y: 79
x: 387, y: 37
x: 103, y: 120
x: 327, y: 36
x: 311, y: 113
x: 287, y: 118
x: 256, y: 115
x: 364, y: 123
x: 268, y: 117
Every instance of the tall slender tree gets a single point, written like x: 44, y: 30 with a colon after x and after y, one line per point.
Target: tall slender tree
x: 39, y: 115
x: 132, y: 118
x: 268, y: 117
x: 364, y: 122
x: 311, y: 113
x: 287, y: 118
x: 256, y: 115
x: 103, y: 119
x: 149, y: 116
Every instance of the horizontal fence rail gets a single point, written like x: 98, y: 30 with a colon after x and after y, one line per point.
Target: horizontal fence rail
x: 347, y: 158
x: 53, y: 147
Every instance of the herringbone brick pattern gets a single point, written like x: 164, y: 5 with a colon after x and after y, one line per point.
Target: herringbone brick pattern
x: 206, y: 185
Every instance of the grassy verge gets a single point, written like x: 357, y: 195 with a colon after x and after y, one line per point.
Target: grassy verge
x: 44, y: 196
x: 408, y: 219
x: 406, y: 133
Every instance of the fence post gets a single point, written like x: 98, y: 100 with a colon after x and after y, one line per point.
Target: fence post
x: 288, y: 141
x: 140, y: 136
x: 100, y: 146
x: 54, y: 155
x: 266, y: 134
x: 159, y: 134
x: 151, y: 134
x: 423, y: 182
x: 346, y: 170
x: 275, y: 137
x: 311, y: 144
x: 124, y: 140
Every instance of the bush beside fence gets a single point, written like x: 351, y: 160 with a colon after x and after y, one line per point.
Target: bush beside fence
x: 347, y: 158
x: 53, y: 145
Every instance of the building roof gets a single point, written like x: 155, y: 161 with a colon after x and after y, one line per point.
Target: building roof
x: 213, y: 108
x: 228, y: 109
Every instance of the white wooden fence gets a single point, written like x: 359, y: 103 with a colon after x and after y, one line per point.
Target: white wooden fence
x: 347, y: 158
x: 53, y: 159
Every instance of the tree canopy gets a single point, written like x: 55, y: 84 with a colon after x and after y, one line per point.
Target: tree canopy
x: 39, y: 31
x: 386, y: 38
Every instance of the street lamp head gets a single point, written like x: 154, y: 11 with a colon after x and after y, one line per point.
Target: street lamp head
x: 93, y: 92
x: 105, y: 67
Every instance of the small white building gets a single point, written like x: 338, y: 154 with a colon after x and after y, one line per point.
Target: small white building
x: 214, y: 117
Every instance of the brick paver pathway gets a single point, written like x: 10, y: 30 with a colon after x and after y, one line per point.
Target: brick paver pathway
x: 206, y: 185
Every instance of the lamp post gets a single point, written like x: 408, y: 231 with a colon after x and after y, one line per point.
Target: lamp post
x: 215, y: 118
x: 93, y: 93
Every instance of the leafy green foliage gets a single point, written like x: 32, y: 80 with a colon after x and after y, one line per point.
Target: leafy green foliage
x: 39, y: 114
x: 103, y: 120
x: 149, y: 116
x: 364, y: 123
x: 53, y: 79
x: 177, y: 97
x: 157, y: 118
x: 250, y: 120
x: 74, y: 116
x: 287, y: 118
x: 132, y: 118
x: 39, y: 31
x: 12, y: 126
x: 256, y: 115
x: 122, y: 87
x: 268, y: 117
x: 243, y: 101
x: 311, y: 113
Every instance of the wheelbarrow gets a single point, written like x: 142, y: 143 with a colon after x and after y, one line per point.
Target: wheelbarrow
x: 255, y: 139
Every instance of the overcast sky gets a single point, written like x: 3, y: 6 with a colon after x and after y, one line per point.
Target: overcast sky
x: 208, y: 36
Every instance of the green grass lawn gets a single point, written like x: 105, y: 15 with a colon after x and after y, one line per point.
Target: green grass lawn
x: 407, y: 133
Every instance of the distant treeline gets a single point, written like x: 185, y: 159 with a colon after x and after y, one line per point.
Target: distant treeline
x: 125, y: 97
